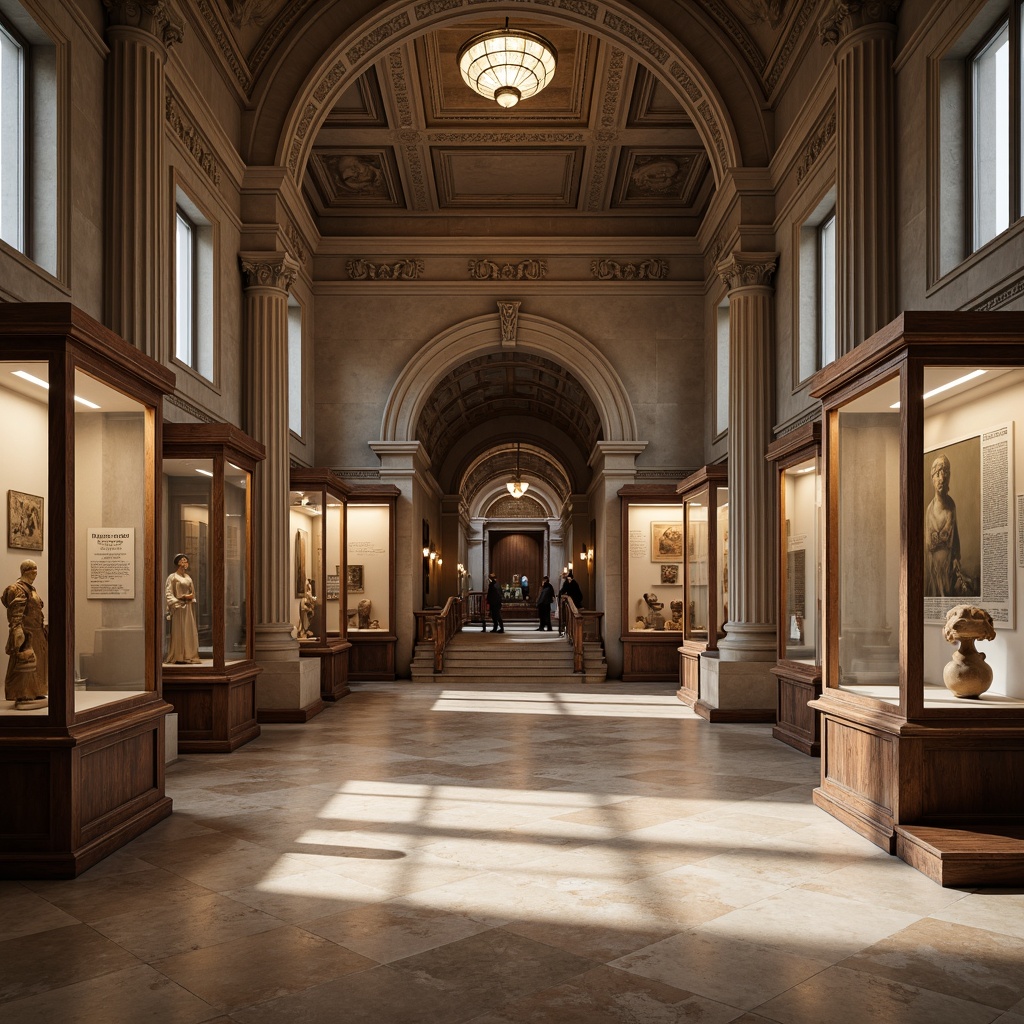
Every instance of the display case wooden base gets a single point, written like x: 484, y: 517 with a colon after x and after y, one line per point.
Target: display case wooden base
x: 71, y: 799
x: 372, y: 657
x: 650, y: 656
x: 689, y: 671
x: 334, y: 666
x: 216, y: 713
x: 795, y: 723
x: 948, y: 797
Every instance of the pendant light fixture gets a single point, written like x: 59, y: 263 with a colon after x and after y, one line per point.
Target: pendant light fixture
x: 515, y: 486
x: 507, y: 65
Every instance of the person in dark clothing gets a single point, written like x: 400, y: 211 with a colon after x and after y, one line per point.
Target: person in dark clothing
x: 547, y: 595
x: 494, y: 604
x: 524, y: 583
x: 571, y: 588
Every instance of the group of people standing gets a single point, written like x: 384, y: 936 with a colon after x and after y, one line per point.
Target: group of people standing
x: 569, y: 588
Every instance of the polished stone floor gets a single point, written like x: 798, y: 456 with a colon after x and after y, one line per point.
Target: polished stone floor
x: 504, y: 853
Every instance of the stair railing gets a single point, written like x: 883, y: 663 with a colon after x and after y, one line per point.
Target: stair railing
x: 439, y: 627
x: 580, y: 627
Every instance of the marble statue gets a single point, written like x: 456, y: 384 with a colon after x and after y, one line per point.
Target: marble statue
x: 180, y: 595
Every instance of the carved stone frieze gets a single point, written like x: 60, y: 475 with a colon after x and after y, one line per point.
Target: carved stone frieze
x: 822, y: 136
x: 268, y: 270
x: 226, y: 42
x: 402, y: 270
x: 283, y: 20
x: 770, y: 11
x: 295, y: 243
x: 637, y: 35
x: 524, y: 270
x: 736, y: 30
x: 785, y: 54
x: 329, y: 81
x: 646, y: 270
x: 505, y: 138
x: 748, y: 269
x: 508, y: 316
x: 156, y: 17
x: 430, y: 7
x: 192, y: 139
x: 1002, y: 298
x: 378, y: 35
x: 841, y: 17
x: 187, y: 407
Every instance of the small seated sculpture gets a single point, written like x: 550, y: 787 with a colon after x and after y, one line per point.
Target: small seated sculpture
x: 374, y: 623
x: 363, y: 614
x: 967, y: 674
x: 640, y: 623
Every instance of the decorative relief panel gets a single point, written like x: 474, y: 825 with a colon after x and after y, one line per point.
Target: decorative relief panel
x: 525, y: 270
x: 402, y: 270
x: 248, y: 12
x: 661, y: 177
x: 646, y: 270
x: 823, y: 134
x: 192, y: 139
x: 355, y: 178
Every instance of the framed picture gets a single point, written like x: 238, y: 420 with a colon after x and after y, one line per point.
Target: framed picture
x: 24, y: 521
x: 666, y: 542
x: 334, y: 584
x: 354, y: 579
x: 670, y: 574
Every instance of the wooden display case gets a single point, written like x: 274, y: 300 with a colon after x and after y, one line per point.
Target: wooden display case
x: 797, y: 457
x: 207, y: 478
x: 653, y: 553
x: 84, y: 774
x: 370, y: 576
x: 704, y: 498
x: 921, y: 474
x: 317, y: 504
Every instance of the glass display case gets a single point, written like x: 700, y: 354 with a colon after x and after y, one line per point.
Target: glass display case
x: 922, y: 477
x: 797, y: 458
x: 368, y: 589
x: 653, y: 555
x: 704, y: 510
x: 82, y: 719
x: 207, y: 558
x: 317, y: 519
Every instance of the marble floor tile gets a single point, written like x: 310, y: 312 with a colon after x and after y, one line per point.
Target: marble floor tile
x: 841, y: 996
x: 25, y: 913
x: 991, y: 909
x: 256, y: 968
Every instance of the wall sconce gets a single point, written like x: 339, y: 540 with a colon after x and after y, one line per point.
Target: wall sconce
x: 426, y: 551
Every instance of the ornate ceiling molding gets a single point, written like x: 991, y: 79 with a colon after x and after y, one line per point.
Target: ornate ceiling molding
x: 192, y: 139
x: 524, y: 270
x: 788, y: 48
x: 226, y: 43
x: 156, y: 17
x: 248, y: 12
x: 646, y: 270
x: 296, y: 244
x: 402, y: 270
x: 841, y: 17
x: 737, y: 33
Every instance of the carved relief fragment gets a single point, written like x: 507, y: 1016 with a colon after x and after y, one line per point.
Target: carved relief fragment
x: 508, y: 316
x: 404, y: 270
x: 248, y: 12
x: 645, y: 270
x: 192, y: 140
x: 525, y: 270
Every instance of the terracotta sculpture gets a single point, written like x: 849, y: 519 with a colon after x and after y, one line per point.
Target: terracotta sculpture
x: 180, y: 594
x: 655, y: 620
x: 27, y: 680
x: 363, y: 612
x: 967, y: 675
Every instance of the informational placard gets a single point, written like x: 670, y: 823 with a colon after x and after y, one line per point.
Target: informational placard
x: 111, y: 563
x: 638, y: 544
x: 365, y: 547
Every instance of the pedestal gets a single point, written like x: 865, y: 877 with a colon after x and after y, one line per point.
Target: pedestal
x: 736, y: 691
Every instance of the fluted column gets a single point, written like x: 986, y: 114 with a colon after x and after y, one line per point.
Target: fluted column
x: 866, y: 259
x: 267, y: 279
x: 750, y: 631
x: 140, y: 34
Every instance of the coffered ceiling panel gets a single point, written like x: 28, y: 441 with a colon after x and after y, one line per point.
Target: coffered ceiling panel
x: 526, y: 177
x: 363, y: 178
x: 660, y: 177
x: 360, y: 106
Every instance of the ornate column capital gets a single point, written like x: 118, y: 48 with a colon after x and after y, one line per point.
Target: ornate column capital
x: 268, y: 270
x: 748, y: 269
x: 153, y: 16
x: 842, y: 17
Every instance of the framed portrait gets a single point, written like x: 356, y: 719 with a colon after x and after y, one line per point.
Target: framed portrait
x: 670, y: 573
x: 24, y: 521
x: 354, y: 579
x: 666, y: 542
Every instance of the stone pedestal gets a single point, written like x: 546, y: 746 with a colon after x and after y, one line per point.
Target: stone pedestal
x: 736, y: 691
x: 288, y: 687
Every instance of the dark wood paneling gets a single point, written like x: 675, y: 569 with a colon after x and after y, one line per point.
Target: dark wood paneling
x: 115, y: 774
x: 372, y: 659
x: 650, y: 659
x: 25, y: 789
x: 517, y: 553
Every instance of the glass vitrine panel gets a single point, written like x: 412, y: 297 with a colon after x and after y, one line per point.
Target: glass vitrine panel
x: 367, y: 584
x: 306, y: 532
x: 188, y: 598
x: 869, y: 556
x: 237, y: 484
x: 334, y: 541
x: 695, y: 520
x: 801, y: 577
x: 111, y: 470
x: 24, y: 401
x: 655, y: 567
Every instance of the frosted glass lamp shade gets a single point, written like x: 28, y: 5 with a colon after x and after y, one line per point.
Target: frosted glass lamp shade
x: 507, y: 65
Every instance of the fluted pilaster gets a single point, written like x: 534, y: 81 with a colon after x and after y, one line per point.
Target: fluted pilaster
x: 267, y: 280
x: 864, y: 34
x: 138, y: 204
x: 750, y: 630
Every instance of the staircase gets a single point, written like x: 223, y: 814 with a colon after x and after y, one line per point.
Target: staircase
x: 522, y: 654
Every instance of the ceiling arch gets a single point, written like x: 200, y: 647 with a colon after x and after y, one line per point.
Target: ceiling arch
x: 296, y: 92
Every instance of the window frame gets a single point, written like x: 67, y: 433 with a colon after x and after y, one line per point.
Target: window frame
x: 181, y: 216
x: 21, y: 242
x: 820, y: 276
x: 204, y: 363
